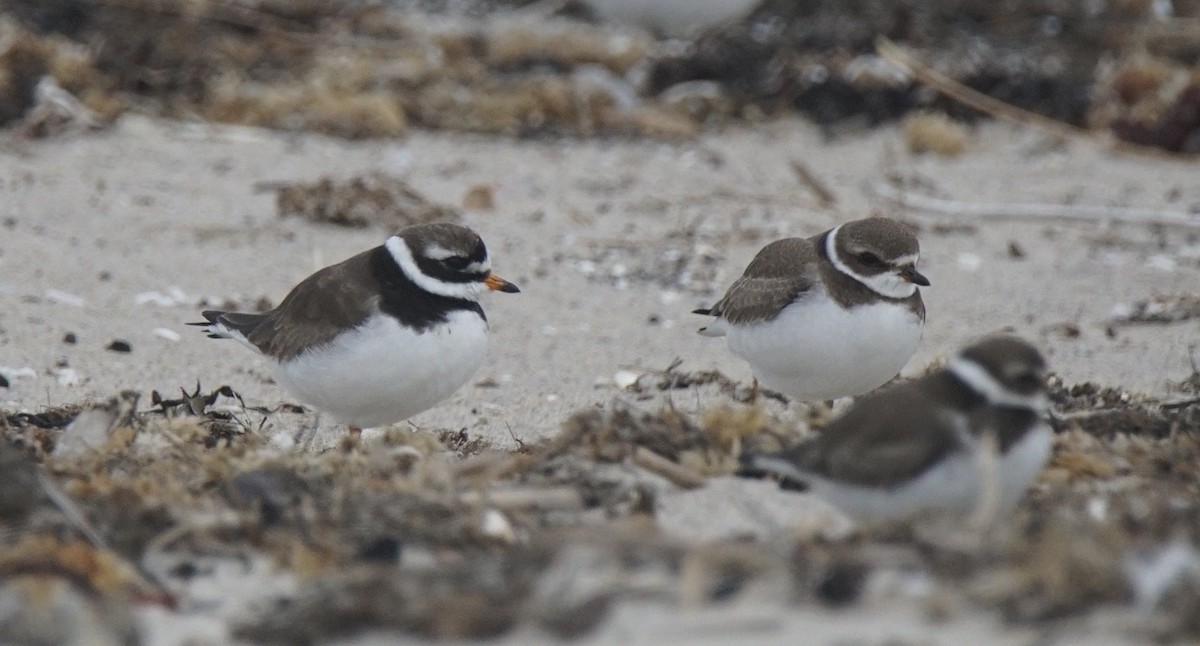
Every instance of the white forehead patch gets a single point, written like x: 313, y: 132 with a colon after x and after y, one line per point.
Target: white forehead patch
x: 888, y: 284
x: 400, y: 252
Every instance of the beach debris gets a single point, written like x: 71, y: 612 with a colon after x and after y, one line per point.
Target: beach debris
x: 914, y: 198
x: 372, y: 71
x: 20, y: 489
x: 805, y: 175
x: 119, y: 345
x: 934, y: 132
x: 1160, y: 572
x: 56, y: 111
x: 625, y: 378
x: 89, y: 431
x: 68, y: 593
x: 218, y: 421
x: 1159, y: 310
x: 365, y: 200
x: 49, y: 418
x: 679, y: 263
x: 437, y: 534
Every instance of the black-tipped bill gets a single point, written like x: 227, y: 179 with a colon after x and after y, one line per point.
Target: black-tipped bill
x: 498, y: 284
x: 913, y: 276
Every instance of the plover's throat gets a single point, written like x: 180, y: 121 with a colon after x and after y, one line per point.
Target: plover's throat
x: 887, y: 284
x: 404, y: 258
x: 979, y: 380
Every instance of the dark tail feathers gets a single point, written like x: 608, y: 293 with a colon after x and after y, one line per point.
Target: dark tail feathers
x: 748, y: 467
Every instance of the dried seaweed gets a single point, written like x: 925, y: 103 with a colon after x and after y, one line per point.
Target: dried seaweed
x: 371, y: 71
x: 361, y: 201
x: 435, y: 534
x: 1159, y: 310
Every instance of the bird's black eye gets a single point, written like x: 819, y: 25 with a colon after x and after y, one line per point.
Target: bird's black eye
x: 456, y: 263
x: 1028, y: 382
x: 869, y: 259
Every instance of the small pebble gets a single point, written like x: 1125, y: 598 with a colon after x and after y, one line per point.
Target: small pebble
x: 3, y: 381
x: 119, y: 346
x: 70, y: 338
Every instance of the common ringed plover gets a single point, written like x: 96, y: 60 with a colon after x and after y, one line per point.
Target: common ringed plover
x: 834, y: 315
x: 381, y: 336
x: 969, y: 434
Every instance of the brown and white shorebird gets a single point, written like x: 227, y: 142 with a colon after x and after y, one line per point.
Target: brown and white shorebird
x: 834, y: 315
x: 381, y: 336
x: 927, y: 444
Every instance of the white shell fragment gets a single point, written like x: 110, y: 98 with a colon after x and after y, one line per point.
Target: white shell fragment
x: 494, y: 524
x: 625, y: 378
x: 167, y: 333
x: 64, y: 298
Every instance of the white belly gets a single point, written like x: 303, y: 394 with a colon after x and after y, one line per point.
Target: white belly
x: 953, y: 486
x: 1020, y: 467
x: 816, y: 350
x: 382, y: 373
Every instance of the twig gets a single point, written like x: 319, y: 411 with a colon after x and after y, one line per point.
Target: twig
x: 1032, y: 211
x: 1175, y: 34
x: 971, y: 98
x: 71, y: 511
x: 1182, y: 403
x: 825, y: 196
x: 678, y: 474
x: 142, y: 577
x: 552, y: 498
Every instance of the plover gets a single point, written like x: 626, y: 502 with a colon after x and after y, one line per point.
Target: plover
x: 381, y: 336
x: 972, y: 433
x: 835, y: 315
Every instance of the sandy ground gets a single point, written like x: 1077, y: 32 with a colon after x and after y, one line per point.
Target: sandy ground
x: 160, y: 206
x: 586, y: 229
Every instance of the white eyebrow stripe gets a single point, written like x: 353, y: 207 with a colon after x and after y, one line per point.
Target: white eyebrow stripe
x: 978, y: 380
x: 438, y: 252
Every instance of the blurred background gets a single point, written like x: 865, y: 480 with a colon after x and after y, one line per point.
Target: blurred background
x: 584, y: 67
